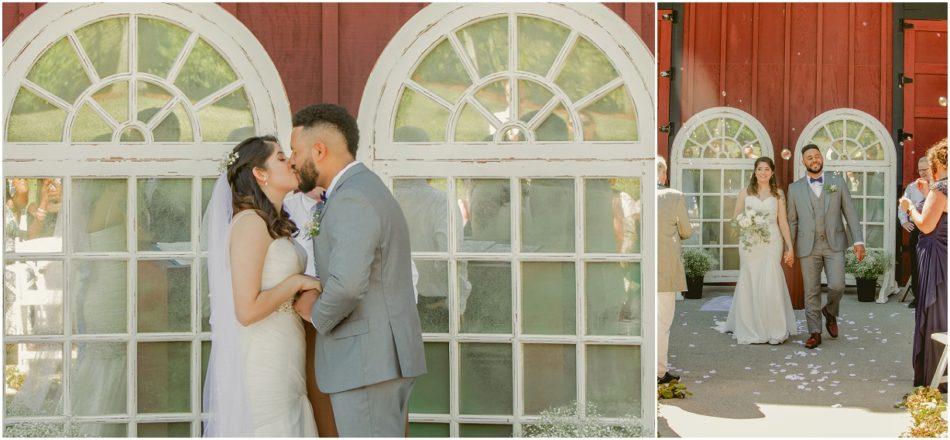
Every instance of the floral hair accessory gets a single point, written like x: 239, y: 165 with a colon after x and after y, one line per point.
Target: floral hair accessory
x: 228, y: 160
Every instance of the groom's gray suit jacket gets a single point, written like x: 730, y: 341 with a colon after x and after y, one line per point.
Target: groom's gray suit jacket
x: 366, y: 318
x: 803, y: 217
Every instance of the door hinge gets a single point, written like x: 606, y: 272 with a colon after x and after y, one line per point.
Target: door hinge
x: 906, y: 25
x: 903, y: 136
x: 902, y: 79
x: 668, y: 128
x: 667, y: 74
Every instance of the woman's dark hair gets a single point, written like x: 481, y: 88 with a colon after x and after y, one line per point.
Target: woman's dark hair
x: 753, y: 188
x: 247, y: 194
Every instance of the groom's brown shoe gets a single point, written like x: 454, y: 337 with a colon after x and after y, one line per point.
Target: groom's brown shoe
x: 813, y: 341
x: 831, y: 323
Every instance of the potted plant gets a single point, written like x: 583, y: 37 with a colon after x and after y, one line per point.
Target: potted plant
x: 867, y: 271
x: 696, y: 262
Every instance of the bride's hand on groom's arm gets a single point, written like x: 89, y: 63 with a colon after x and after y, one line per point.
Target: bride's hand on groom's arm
x: 308, y: 282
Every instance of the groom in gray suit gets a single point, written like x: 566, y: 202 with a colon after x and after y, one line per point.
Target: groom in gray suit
x: 369, y: 339
x: 816, y: 205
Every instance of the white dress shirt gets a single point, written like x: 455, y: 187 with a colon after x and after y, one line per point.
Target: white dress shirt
x: 339, y: 175
x: 914, y: 194
x: 299, y: 206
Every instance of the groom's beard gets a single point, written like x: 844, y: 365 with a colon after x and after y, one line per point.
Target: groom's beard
x: 816, y: 170
x: 308, y: 175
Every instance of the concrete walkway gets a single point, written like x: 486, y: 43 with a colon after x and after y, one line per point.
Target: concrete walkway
x: 845, y: 388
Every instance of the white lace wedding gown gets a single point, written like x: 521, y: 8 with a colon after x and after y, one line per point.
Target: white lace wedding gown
x: 275, y: 355
x: 761, y: 308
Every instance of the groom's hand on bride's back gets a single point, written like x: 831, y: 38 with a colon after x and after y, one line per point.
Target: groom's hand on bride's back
x: 304, y: 303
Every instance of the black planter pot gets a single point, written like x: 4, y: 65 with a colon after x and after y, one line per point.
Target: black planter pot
x: 694, y: 287
x: 867, y: 289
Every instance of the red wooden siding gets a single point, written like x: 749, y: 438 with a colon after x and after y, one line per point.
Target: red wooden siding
x: 326, y: 51
x: 786, y: 63
x: 925, y: 61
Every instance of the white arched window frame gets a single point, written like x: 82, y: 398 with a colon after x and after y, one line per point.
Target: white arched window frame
x: 574, y: 164
x: 857, y: 146
x: 712, y: 161
x: 135, y: 157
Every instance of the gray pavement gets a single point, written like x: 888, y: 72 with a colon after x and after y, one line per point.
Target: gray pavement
x: 846, y: 387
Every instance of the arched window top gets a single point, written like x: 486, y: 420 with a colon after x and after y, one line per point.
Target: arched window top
x: 515, y: 78
x: 722, y: 133
x: 848, y: 135
x: 138, y: 74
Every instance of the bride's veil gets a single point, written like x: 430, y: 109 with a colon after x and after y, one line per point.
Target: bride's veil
x: 225, y: 399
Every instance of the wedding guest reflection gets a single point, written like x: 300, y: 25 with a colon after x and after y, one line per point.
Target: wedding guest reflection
x: 930, y: 216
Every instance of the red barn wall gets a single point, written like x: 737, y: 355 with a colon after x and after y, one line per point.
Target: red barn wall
x: 786, y: 63
x: 325, y: 52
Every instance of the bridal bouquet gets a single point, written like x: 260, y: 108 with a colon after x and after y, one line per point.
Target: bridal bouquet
x: 753, y: 227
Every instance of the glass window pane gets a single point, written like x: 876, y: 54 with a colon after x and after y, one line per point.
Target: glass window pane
x: 730, y: 234
x: 483, y: 431
x: 441, y: 72
x: 875, y: 183
x: 433, y: 290
x: 548, y: 300
x: 229, y: 119
x: 159, y: 44
x: 99, y: 299
x: 586, y: 69
x: 425, y: 205
x: 875, y: 210
x: 164, y: 295
x: 31, y: 220
x: 875, y: 236
x: 712, y: 181
x: 428, y: 430
x: 150, y: 98
x: 557, y: 126
x: 547, y: 213
x: 473, y: 127
x: 132, y: 134
x: 175, y: 127
x: 539, y: 42
x: 90, y: 127
x: 711, y: 207
x: 60, y: 72
x: 105, y: 43
x: 485, y: 383
x: 613, y: 298
x: 177, y: 429
x: 33, y: 298
x: 496, y: 97
x: 550, y: 377
x: 34, y: 119
x: 430, y: 395
x: 33, y: 375
x: 692, y: 207
x: 164, y: 377
x: 611, y: 118
x: 486, y: 44
x: 728, y: 207
x: 98, y: 378
x: 164, y: 214
x: 114, y: 99
x: 204, y: 73
x: 203, y: 293
x: 732, y: 181
x: 532, y: 96
x: 691, y: 181
x: 488, y: 307
x: 207, y: 188
x: 98, y: 215
x: 612, y: 215
x: 613, y: 379
x: 101, y: 429
x: 205, y: 357
x: 486, y: 209
x: 419, y: 118
x: 711, y: 233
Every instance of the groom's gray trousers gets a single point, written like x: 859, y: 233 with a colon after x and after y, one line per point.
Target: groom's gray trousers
x: 368, y: 411
x: 822, y: 257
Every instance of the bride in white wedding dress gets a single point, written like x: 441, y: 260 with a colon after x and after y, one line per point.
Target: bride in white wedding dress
x: 761, y: 308
x: 256, y: 380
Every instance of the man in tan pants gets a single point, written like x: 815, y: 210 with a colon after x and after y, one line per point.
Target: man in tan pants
x: 672, y: 227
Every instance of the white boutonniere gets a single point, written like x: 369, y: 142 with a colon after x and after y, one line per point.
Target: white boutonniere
x: 831, y: 188
x: 313, y: 228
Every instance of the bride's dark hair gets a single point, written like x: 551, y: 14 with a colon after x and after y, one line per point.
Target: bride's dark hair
x: 753, y: 188
x: 247, y: 194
